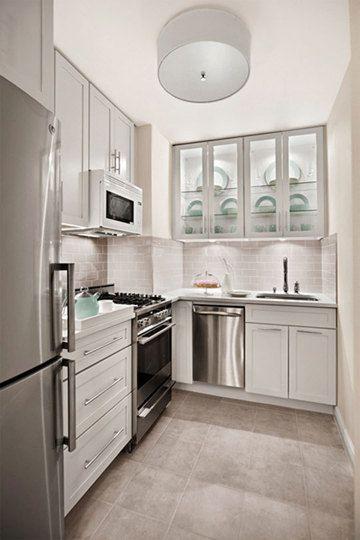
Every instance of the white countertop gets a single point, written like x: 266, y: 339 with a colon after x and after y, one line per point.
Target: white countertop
x: 119, y: 313
x: 194, y: 295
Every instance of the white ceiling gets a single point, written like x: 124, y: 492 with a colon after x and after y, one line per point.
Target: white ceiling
x: 299, y: 54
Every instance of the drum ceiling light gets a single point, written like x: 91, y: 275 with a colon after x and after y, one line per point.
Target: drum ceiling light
x: 204, y: 55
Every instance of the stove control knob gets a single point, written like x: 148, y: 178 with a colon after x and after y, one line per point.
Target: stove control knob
x: 143, y: 322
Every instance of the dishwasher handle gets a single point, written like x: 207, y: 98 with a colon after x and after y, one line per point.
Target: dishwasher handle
x: 217, y: 313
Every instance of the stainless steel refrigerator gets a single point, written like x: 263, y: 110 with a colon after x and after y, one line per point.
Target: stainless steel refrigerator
x: 32, y: 438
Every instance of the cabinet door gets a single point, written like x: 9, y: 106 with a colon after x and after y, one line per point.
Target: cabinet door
x: 100, y: 131
x: 72, y: 109
x: 304, y: 182
x: 263, y: 186
x: 121, y: 144
x: 27, y: 48
x: 266, y: 360
x: 313, y: 365
x: 191, y: 218
x: 226, y: 189
x: 182, y: 362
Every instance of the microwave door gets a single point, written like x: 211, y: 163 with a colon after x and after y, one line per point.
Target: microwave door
x: 118, y: 211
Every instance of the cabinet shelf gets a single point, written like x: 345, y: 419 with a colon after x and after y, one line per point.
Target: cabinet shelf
x: 227, y: 216
x: 272, y: 188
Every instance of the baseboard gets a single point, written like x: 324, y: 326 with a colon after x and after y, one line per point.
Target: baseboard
x: 349, y: 445
x: 239, y: 393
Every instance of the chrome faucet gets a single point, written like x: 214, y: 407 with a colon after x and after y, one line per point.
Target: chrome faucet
x: 285, y: 267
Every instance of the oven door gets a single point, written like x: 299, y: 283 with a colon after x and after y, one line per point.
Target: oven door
x: 153, y: 360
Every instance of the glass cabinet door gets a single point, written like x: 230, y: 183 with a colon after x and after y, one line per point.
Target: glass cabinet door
x: 263, y: 185
x: 225, y: 189
x: 191, y: 201
x: 303, y: 182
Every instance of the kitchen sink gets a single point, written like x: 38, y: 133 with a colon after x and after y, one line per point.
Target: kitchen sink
x: 286, y: 296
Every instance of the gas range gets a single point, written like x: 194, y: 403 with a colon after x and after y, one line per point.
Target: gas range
x: 137, y: 300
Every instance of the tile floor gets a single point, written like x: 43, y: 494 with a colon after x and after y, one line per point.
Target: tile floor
x: 224, y: 470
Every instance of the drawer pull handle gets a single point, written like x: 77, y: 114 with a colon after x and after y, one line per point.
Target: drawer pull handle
x: 271, y: 329
x: 88, y: 463
x: 309, y: 332
x: 90, y: 400
x: 91, y: 351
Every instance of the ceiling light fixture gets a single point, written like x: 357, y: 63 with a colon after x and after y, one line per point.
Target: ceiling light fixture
x: 204, y: 55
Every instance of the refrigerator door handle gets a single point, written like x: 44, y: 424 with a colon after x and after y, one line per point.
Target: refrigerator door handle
x: 70, y: 439
x: 69, y: 268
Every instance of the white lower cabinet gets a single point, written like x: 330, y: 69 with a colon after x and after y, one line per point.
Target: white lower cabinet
x: 96, y: 448
x: 266, y: 360
x: 291, y: 362
x: 312, y: 365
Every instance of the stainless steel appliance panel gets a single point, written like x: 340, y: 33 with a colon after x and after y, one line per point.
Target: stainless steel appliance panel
x: 31, y: 490
x: 30, y: 217
x: 218, y: 345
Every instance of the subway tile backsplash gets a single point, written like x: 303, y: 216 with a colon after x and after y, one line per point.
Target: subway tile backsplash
x: 90, y: 258
x: 257, y: 265
x: 147, y: 264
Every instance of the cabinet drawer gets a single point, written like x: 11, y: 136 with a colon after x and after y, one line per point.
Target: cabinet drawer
x: 291, y: 316
x: 96, y: 448
x: 99, y: 388
x: 99, y: 345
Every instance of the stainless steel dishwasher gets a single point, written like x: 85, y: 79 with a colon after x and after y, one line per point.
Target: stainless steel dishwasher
x: 218, y: 345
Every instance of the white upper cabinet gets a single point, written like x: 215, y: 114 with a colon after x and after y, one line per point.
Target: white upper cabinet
x: 26, y: 47
x: 261, y: 186
x: 111, y: 137
x: 100, y: 131
x: 284, y: 184
x: 122, y: 133
x: 191, y: 192
x: 304, y: 188
x: 72, y: 109
x: 208, y: 190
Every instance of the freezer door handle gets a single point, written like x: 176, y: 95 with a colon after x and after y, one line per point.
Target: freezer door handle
x: 70, y: 439
x: 69, y: 268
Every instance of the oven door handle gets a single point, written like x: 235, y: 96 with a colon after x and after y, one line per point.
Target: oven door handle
x: 143, y: 413
x: 145, y: 340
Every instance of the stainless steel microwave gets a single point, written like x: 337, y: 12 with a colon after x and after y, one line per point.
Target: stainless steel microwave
x: 115, y: 205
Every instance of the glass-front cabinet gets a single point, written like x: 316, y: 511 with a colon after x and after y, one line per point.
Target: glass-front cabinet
x: 260, y: 186
x: 303, y: 183
x: 263, y: 185
x: 209, y: 190
x: 284, y: 184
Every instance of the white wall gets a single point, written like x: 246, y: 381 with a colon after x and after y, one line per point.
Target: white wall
x: 344, y: 218
x: 160, y: 171
x: 152, y: 174
x: 355, y: 105
x: 341, y: 222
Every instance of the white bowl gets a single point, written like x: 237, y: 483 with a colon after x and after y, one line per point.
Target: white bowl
x: 105, y: 306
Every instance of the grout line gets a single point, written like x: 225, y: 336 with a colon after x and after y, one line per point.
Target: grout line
x: 187, y: 483
x: 102, y: 521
